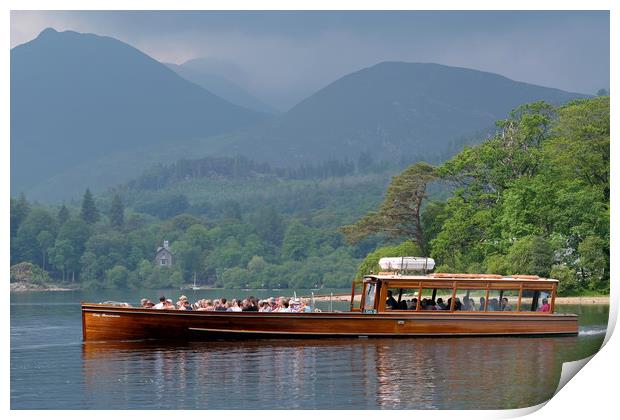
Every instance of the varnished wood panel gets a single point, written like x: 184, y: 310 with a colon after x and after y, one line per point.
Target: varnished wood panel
x: 102, y: 322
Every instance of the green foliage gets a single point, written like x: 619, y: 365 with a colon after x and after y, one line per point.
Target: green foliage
x: 533, y: 197
x: 89, y: 212
x: 117, y: 212
x: 399, y: 216
x: 530, y: 255
x: 568, y: 282
x: 63, y: 215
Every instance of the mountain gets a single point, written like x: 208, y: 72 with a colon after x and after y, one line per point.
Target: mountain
x: 79, y: 97
x: 389, y: 110
x: 221, y: 86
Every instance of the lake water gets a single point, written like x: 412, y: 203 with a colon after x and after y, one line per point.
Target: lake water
x: 52, y: 369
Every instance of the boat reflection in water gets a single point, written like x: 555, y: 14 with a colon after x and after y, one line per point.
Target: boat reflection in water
x: 422, y: 373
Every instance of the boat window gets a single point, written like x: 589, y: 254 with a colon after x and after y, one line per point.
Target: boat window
x: 435, y: 299
x: 397, y: 298
x: 369, y: 298
x: 535, y: 300
x: 470, y: 299
x: 503, y: 300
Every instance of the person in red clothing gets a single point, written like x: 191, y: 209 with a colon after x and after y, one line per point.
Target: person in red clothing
x: 545, y: 306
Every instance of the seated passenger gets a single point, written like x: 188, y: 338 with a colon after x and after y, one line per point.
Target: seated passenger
x: 413, y: 304
x: 467, y: 304
x: 402, y: 305
x: 391, y: 303
x: 295, y: 305
x: 440, y: 305
x: 161, y: 304
x: 458, y: 306
x: 481, y: 307
x: 545, y: 306
x: 184, y: 304
x: 221, y: 305
x: 206, y: 305
x: 236, y: 306
x: 505, y: 306
x: 306, y: 306
x: 168, y: 304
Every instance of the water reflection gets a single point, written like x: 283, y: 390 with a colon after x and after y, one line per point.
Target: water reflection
x: 484, y: 372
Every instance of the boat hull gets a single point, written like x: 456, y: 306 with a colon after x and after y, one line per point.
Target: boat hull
x: 104, y: 322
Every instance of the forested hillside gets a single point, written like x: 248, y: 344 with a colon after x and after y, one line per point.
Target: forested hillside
x: 533, y: 198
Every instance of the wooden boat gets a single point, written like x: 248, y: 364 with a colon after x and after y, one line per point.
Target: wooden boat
x: 528, y: 308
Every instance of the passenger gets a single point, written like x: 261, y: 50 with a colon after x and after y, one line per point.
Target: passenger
x: 402, y: 305
x: 493, y: 304
x: 449, y: 304
x: 246, y: 306
x: 234, y: 307
x: 143, y: 302
x: 149, y: 304
x: 473, y: 304
x: 306, y: 306
x: 414, y: 304
x: 161, y: 304
x: 221, y: 305
x: 273, y: 306
x: 168, y: 304
x: 206, y: 305
x: 545, y: 306
x: 284, y: 307
x: 295, y: 305
x: 254, y: 303
x: 458, y: 306
x: 467, y: 304
x: 481, y: 307
x: 505, y: 306
x: 440, y: 305
x: 391, y: 303
x: 184, y: 304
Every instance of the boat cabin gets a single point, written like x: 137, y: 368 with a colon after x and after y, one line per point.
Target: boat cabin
x: 391, y: 292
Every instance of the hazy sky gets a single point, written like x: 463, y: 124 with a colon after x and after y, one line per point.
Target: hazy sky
x: 284, y: 56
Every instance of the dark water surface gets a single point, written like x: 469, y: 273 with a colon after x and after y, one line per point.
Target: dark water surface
x: 52, y: 369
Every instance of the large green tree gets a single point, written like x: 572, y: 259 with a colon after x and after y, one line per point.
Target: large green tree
x: 399, y: 216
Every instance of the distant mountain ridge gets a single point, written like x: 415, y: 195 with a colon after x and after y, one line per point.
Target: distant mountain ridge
x: 389, y: 110
x: 93, y: 111
x: 76, y: 97
x: 218, y: 85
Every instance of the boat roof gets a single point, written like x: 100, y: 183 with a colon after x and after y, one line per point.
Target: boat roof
x: 459, y: 277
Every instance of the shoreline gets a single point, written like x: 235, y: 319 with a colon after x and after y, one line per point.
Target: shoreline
x: 23, y: 287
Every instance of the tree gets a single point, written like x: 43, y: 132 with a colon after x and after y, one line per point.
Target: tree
x: 63, y: 215
x: 117, y: 212
x: 27, y: 246
x: 45, y: 240
x: 19, y: 211
x: 89, y: 212
x: 297, y: 241
x: 531, y: 255
x: 399, y: 216
x: 269, y: 225
x: 60, y: 254
x: 602, y: 92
